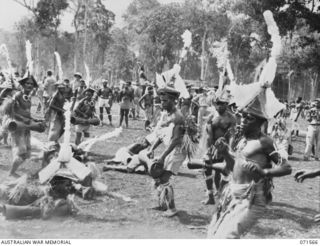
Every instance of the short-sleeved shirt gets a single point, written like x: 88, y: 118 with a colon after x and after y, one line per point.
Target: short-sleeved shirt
x: 49, y: 86
x: 105, y: 93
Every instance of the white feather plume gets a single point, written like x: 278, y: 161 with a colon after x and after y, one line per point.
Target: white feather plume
x: 29, y: 58
x: 187, y: 40
x: 179, y: 83
x: 65, y: 153
x: 159, y: 81
x: 180, y: 86
x: 269, y: 71
x: 58, y: 59
x: 88, y: 76
x: 4, y: 51
x: 67, y: 127
x: 86, y: 145
x: 260, y: 88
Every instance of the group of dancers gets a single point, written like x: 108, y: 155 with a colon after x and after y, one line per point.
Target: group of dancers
x: 240, y: 160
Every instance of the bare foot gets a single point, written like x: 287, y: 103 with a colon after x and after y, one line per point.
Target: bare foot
x: 157, y: 208
x: 170, y: 213
x: 209, y: 201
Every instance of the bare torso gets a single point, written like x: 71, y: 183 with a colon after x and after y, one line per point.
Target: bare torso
x: 178, y: 120
x: 256, y: 151
x: 220, y: 125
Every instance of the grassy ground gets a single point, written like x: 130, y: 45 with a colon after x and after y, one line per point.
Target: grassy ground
x: 290, y: 215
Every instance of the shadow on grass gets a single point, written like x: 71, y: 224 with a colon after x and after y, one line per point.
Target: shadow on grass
x: 309, y: 211
x: 303, y: 216
x: 193, y: 219
x: 88, y: 218
x: 133, y: 128
x: 99, y: 157
x: 187, y: 175
x: 294, y: 158
x: 264, y: 232
x: 297, y: 152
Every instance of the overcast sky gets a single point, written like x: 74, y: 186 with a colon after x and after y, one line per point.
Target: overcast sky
x: 11, y: 12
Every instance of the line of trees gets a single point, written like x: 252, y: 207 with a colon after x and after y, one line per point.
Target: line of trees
x: 152, y: 36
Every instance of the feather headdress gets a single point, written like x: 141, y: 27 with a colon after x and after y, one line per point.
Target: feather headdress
x: 172, y: 76
x: 58, y: 59
x: 187, y: 40
x: 86, y: 145
x: 29, y: 59
x: 261, y: 101
x: 4, y: 51
x: 88, y: 76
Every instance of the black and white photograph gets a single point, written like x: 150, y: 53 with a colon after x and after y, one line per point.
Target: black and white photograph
x: 159, y: 119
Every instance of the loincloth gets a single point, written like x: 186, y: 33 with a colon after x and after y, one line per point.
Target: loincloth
x: 82, y: 128
x: 20, y: 143
x: 240, y: 206
x: 55, y: 127
x: 174, y: 160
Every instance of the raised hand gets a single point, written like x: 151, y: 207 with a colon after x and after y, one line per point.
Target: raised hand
x: 301, y: 175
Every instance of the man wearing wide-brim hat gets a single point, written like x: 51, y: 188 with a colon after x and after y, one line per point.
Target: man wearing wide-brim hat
x: 19, y: 110
x: 251, y: 171
x: 173, y: 156
x: 77, y: 81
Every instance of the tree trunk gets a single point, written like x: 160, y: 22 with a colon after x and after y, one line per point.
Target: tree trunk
x: 37, y: 65
x: 76, y: 51
x: 203, y: 54
x: 314, y: 85
x: 85, y: 31
x: 304, y: 89
x: 55, y: 48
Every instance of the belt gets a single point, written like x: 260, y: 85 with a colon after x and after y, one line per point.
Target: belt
x: 318, y: 124
x: 104, y: 97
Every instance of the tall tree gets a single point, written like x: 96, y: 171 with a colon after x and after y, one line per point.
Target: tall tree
x: 97, y: 20
x: 120, y: 60
x: 47, y: 17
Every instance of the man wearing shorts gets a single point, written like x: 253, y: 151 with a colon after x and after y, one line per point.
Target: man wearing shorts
x: 105, y: 101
